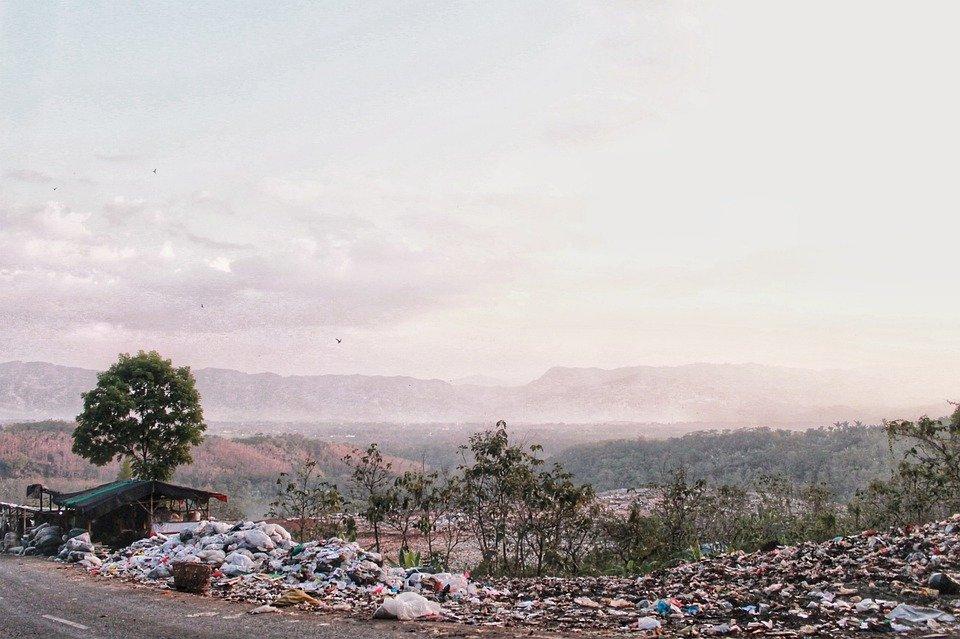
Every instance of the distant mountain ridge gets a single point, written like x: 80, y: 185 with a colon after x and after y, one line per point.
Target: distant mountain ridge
x: 663, y: 394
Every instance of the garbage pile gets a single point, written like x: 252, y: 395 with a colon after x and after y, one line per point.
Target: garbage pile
x: 260, y: 563
x: 44, y: 539
x: 50, y: 540
x: 903, y: 580
x: 900, y: 580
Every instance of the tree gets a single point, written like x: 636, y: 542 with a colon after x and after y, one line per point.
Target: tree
x: 144, y: 409
x: 370, y: 475
x: 410, y: 491
x: 441, y: 521
x: 560, y: 521
x: 309, y: 500
x: 934, y: 449
x: 497, y: 478
x: 678, y: 509
x: 634, y: 537
x: 925, y: 484
x: 125, y: 471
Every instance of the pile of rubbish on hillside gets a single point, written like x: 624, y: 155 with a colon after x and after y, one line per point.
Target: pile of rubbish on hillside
x: 50, y: 540
x: 901, y: 580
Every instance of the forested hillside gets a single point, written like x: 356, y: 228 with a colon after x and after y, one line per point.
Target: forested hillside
x: 246, y: 469
x: 844, y: 458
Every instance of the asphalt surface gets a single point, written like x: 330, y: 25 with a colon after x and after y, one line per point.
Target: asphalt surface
x: 41, y: 599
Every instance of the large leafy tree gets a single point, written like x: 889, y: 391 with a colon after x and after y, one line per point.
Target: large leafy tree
x: 142, y: 409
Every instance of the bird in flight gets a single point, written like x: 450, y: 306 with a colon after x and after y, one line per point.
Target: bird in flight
x: 338, y: 339
x: 54, y: 188
x: 154, y: 171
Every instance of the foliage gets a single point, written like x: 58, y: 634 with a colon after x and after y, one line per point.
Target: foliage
x: 524, y: 519
x: 440, y: 519
x: 934, y: 453
x: 312, y: 503
x: 926, y: 482
x: 632, y: 540
x: 370, y: 477
x: 844, y: 458
x: 144, y: 409
x: 126, y: 470
x: 528, y: 516
x: 408, y: 559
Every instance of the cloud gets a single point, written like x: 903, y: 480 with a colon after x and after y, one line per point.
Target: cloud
x: 214, y: 244
x: 28, y: 175
x: 184, y: 267
x: 121, y: 206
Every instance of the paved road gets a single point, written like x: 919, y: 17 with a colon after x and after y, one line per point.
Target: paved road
x: 44, y: 600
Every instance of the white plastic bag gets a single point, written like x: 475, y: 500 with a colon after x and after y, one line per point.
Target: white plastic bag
x: 408, y: 606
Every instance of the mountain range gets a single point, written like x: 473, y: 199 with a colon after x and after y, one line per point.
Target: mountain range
x: 712, y: 393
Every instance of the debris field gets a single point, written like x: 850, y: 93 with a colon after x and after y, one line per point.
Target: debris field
x: 903, y: 580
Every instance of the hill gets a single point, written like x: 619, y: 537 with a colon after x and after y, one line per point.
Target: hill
x: 844, y: 458
x: 246, y: 469
x: 713, y: 393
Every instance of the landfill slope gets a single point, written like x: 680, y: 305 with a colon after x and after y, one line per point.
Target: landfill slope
x: 903, y: 580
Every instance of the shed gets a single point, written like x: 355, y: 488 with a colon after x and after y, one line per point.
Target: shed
x: 128, y: 509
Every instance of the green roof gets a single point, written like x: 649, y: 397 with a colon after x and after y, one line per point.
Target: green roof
x: 98, y: 501
x: 94, y: 495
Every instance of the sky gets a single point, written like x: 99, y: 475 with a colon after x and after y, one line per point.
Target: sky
x: 489, y: 188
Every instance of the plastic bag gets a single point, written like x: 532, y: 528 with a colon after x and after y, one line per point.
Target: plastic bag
x: 408, y: 606
x: 648, y: 623
x: 918, y: 614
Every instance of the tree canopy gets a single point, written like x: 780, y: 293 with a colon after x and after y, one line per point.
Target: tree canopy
x: 144, y: 409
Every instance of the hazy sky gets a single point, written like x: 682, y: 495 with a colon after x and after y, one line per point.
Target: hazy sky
x: 484, y: 187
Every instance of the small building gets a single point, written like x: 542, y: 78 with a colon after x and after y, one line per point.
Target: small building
x: 126, y: 510
x: 16, y: 518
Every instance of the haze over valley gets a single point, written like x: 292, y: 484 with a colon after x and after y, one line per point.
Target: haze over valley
x: 710, y: 394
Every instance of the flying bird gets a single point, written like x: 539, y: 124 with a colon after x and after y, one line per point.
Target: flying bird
x: 338, y: 339
x: 54, y: 188
x: 154, y: 171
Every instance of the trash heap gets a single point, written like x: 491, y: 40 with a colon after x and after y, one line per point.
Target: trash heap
x: 259, y: 563
x: 48, y: 540
x: 903, y: 580
x: 44, y: 539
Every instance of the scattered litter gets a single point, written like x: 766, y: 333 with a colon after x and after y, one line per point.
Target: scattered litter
x: 918, y: 614
x: 264, y: 609
x: 943, y: 584
x: 874, y: 582
x: 648, y: 623
x: 295, y: 597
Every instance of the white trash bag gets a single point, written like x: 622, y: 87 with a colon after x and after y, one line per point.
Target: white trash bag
x: 408, y: 606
